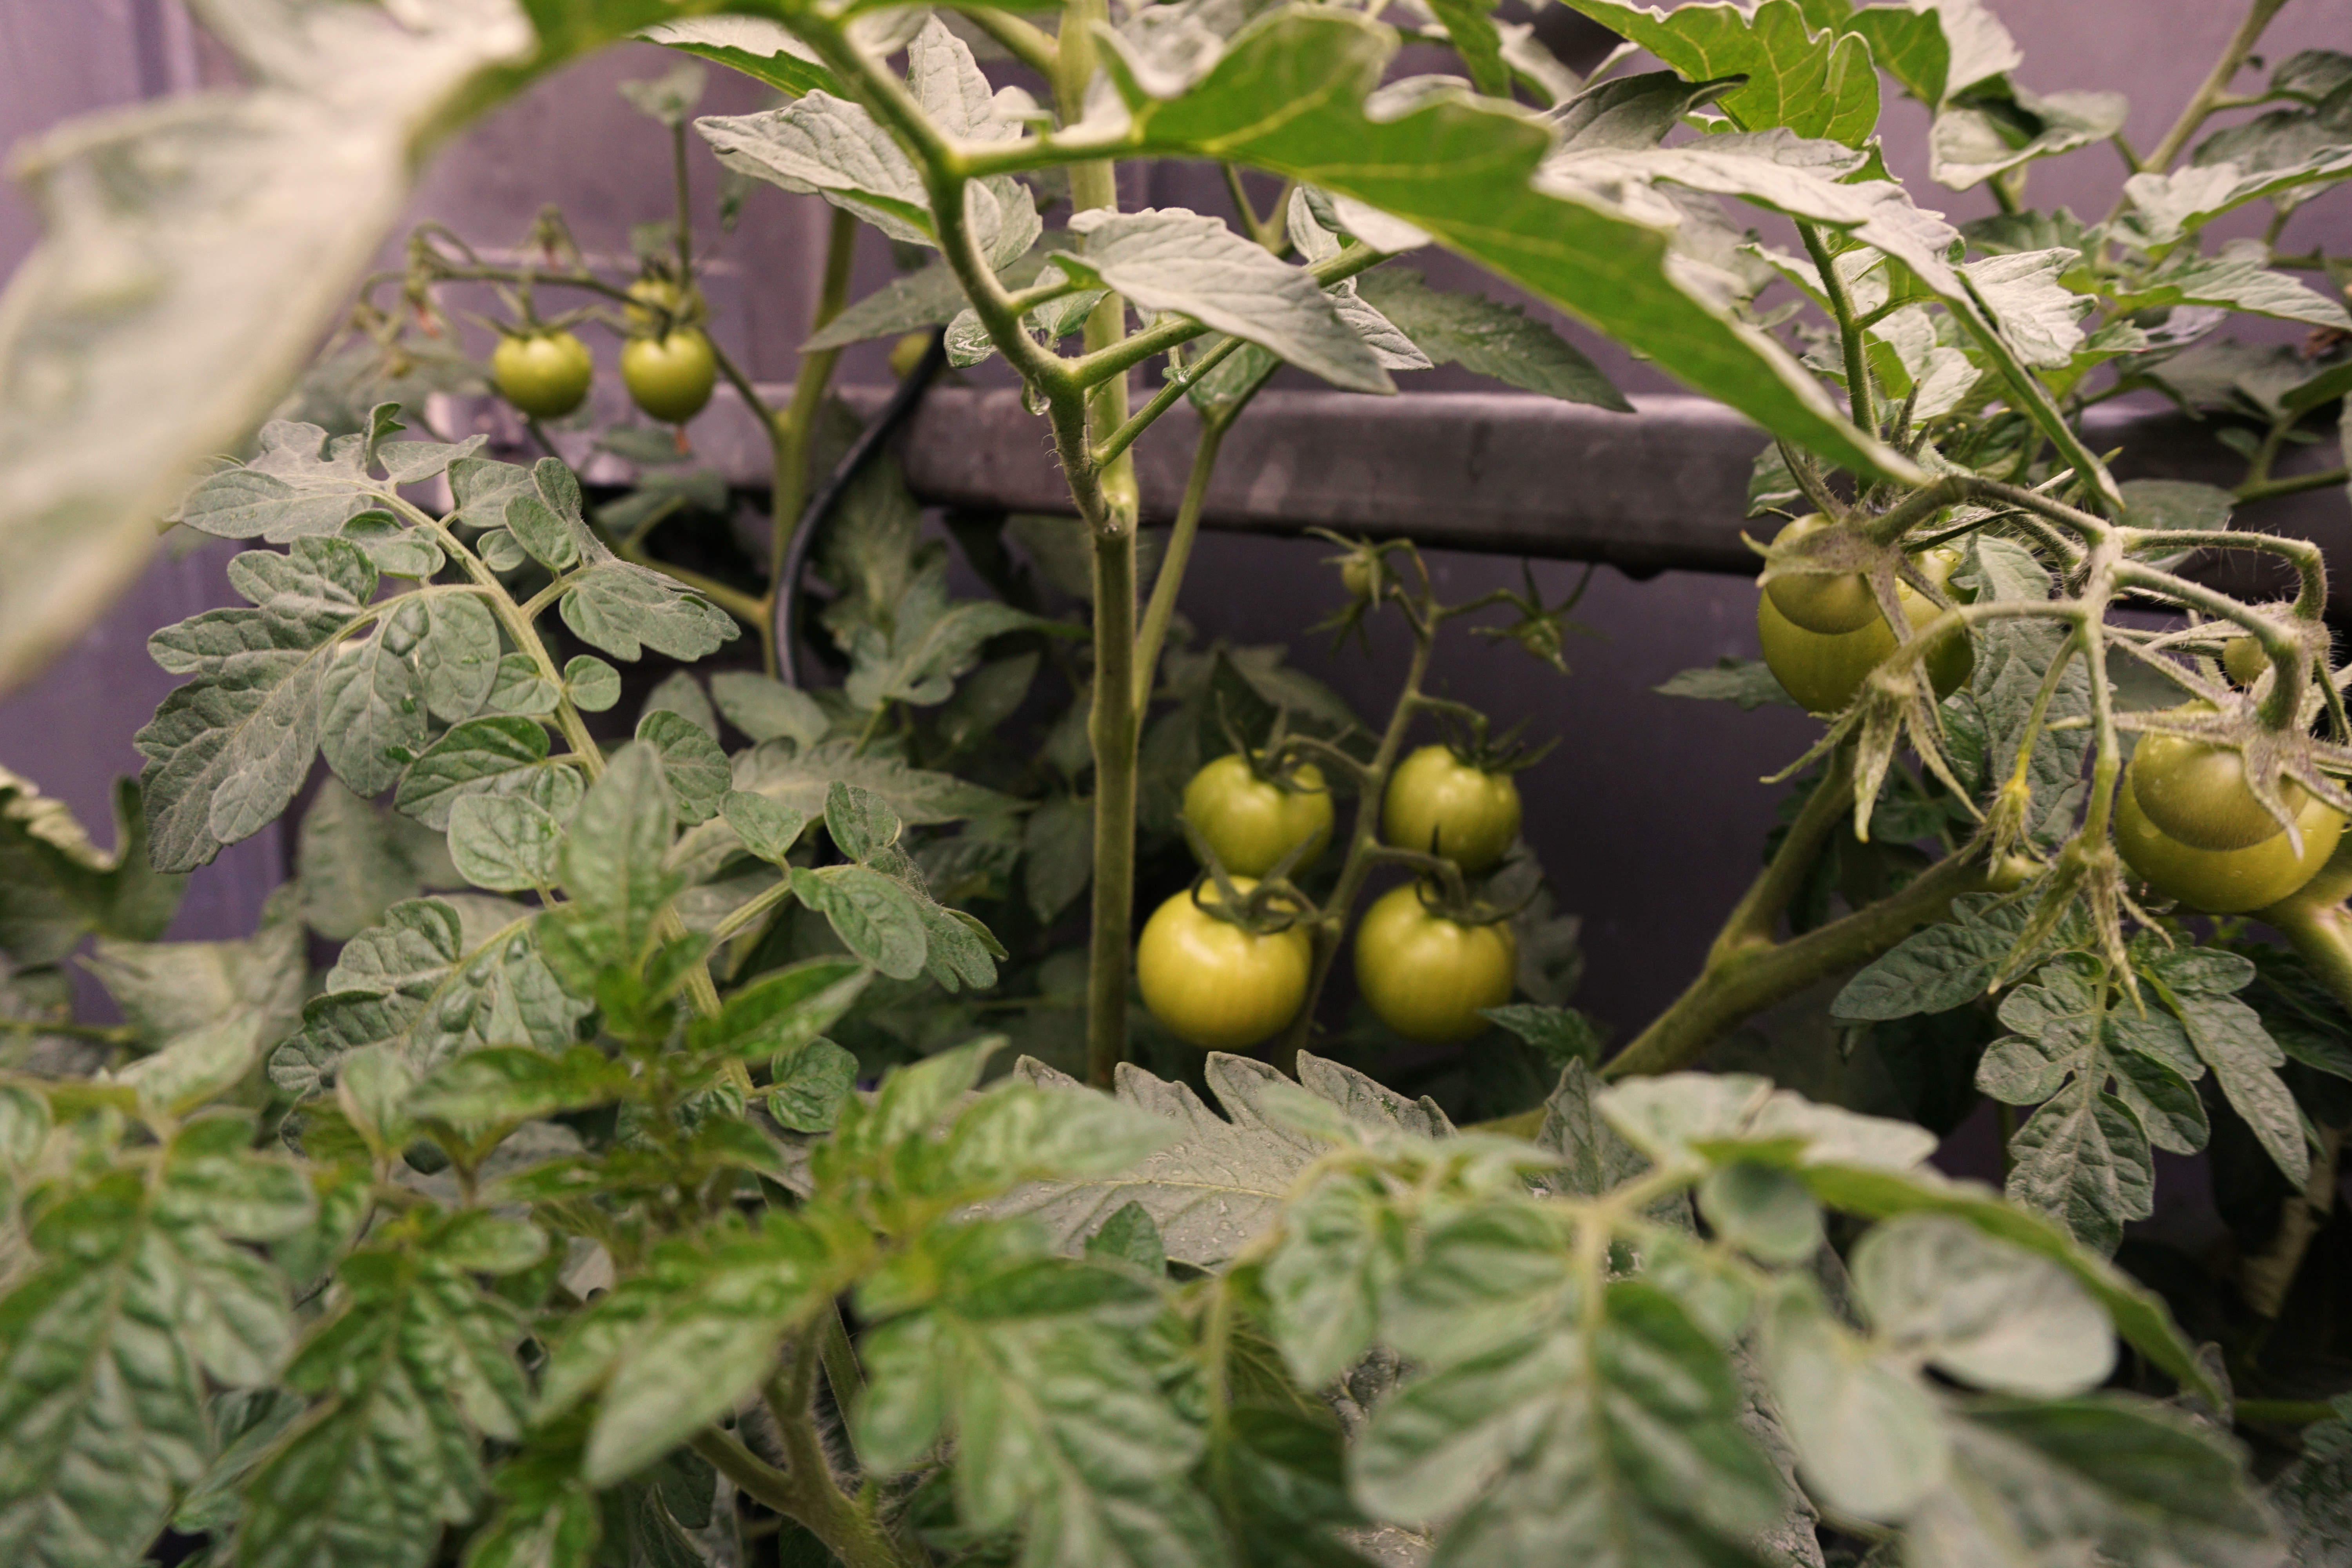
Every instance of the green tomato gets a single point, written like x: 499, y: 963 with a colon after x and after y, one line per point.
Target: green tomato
x: 1825, y: 602
x: 1824, y: 670
x: 2223, y: 881
x: 1439, y: 805
x: 2197, y: 793
x: 1252, y: 823
x: 1427, y: 976
x: 657, y: 305
x: 1215, y: 984
x: 670, y: 378
x: 545, y: 375
x: 2244, y: 659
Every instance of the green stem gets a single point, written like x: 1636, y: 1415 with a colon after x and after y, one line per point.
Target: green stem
x: 2033, y: 399
x: 2215, y: 88
x: 1753, y: 976
x: 1114, y: 725
x: 1032, y: 46
x: 1180, y: 553
x: 747, y: 608
x: 1862, y: 401
x: 1364, y: 841
x: 2285, y: 1412
x: 2292, y: 485
x: 685, y: 206
x: 1120, y: 439
x: 102, y: 1033
x: 790, y: 436
x: 1752, y: 920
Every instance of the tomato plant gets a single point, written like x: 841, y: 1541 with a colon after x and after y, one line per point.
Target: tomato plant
x: 718, y: 1130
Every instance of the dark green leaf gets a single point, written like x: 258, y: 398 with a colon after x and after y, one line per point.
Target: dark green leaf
x: 486, y: 756
x: 1488, y: 339
x: 808, y: 1094
x: 691, y: 760
x: 876, y: 916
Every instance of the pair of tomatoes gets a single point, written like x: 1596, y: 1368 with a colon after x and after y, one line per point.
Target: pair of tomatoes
x: 2190, y: 827
x: 1426, y: 976
x: 669, y: 367
x: 1823, y: 633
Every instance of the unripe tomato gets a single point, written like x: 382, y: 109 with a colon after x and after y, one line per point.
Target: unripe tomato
x: 545, y: 375
x: 1823, y: 670
x: 2197, y: 793
x: 658, y: 305
x: 908, y: 352
x: 2223, y: 881
x: 1215, y: 984
x: 1356, y: 574
x: 1440, y: 805
x: 1427, y: 976
x: 2244, y: 659
x: 1251, y: 823
x: 670, y: 378
x: 1828, y: 603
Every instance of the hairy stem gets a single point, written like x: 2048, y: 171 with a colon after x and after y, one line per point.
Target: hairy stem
x: 1752, y: 918
x: 1862, y: 401
x: 1753, y: 976
x: 2292, y: 485
x: 2215, y: 88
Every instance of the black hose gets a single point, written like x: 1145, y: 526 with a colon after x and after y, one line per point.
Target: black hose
x: 896, y: 413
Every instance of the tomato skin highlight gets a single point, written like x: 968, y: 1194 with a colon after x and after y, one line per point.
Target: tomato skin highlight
x: 1426, y: 976
x: 2197, y: 794
x: 545, y: 375
x: 670, y: 378
x: 2223, y: 881
x: 1252, y: 823
x: 1824, y: 670
x: 1829, y: 603
x: 1212, y: 983
x: 1469, y: 815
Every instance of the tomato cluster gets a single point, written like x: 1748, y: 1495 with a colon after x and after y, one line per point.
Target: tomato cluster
x: 667, y: 363
x: 1824, y: 633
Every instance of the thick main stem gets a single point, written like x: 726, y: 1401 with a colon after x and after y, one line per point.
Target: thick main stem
x: 1751, y: 977
x: 1114, y: 725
